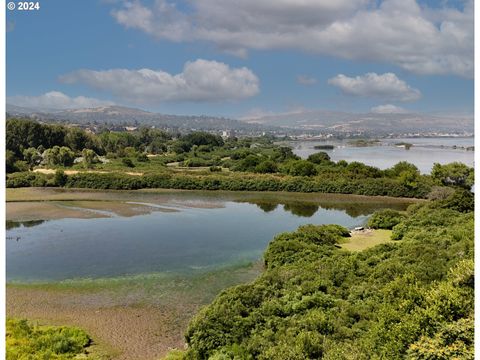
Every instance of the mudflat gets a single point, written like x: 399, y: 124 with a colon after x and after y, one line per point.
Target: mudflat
x: 138, y: 318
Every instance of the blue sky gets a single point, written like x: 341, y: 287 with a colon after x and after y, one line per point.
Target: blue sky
x: 256, y: 58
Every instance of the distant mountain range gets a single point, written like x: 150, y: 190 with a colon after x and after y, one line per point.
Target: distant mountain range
x: 369, y: 123
x: 313, y: 122
x: 124, y: 116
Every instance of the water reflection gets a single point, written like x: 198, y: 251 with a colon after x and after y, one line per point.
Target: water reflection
x: 266, y: 206
x: 305, y: 209
x: 16, y: 224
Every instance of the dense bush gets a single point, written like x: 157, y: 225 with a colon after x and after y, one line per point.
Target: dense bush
x: 29, y: 179
x: 456, y: 173
x: 461, y: 200
x: 319, y: 158
x: 266, y: 167
x: 128, y: 162
x: 300, y: 168
x: 26, y: 341
x: 412, y: 299
x: 253, y: 182
x: 385, y: 219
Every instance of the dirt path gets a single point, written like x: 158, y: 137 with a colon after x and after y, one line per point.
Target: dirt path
x: 73, y: 172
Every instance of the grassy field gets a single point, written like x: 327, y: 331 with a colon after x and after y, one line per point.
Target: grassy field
x: 366, y: 239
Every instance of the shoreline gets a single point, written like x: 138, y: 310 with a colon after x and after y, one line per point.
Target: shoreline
x: 143, y: 316
x: 28, y: 204
x: 128, y: 319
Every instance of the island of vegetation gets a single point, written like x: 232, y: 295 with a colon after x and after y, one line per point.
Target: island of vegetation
x: 405, y: 145
x: 324, y: 147
x: 364, y: 142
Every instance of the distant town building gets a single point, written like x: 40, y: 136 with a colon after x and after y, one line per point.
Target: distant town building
x: 226, y: 134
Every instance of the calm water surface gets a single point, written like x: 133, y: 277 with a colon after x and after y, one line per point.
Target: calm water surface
x: 424, y: 152
x: 192, y: 239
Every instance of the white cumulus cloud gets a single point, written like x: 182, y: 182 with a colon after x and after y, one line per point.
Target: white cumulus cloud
x: 417, y: 38
x: 385, y: 86
x: 388, y: 109
x: 56, y: 100
x: 200, y: 80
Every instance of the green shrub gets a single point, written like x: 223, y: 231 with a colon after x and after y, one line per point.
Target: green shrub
x: 319, y: 158
x: 60, y: 178
x: 385, y: 219
x: 128, y: 162
x: 27, y: 179
x: 413, y: 299
x: 26, y: 341
x: 142, y: 157
x: 300, y: 168
x: 461, y: 200
x: 266, y: 167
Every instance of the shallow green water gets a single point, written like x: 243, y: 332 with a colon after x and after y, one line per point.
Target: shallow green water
x: 191, y: 240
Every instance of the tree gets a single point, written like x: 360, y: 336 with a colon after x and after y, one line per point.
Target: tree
x: 385, y: 219
x: 300, y: 168
x: 360, y: 169
x: 32, y: 157
x: 284, y: 153
x: 76, y: 139
x: 266, y: 167
x: 461, y: 200
x: 409, y: 178
x: 59, y: 156
x: 456, y: 174
x: 10, y: 161
x: 200, y: 138
x: 403, y: 166
x: 60, y: 178
x: 319, y: 158
x: 249, y: 163
x: 89, y: 157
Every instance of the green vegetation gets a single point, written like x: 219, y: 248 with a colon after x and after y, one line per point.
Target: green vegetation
x: 363, y: 142
x: 409, y: 299
x: 456, y: 173
x: 363, y: 240
x: 406, y: 145
x: 385, y: 219
x: 27, y: 341
x: 201, y: 161
x: 324, y: 147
